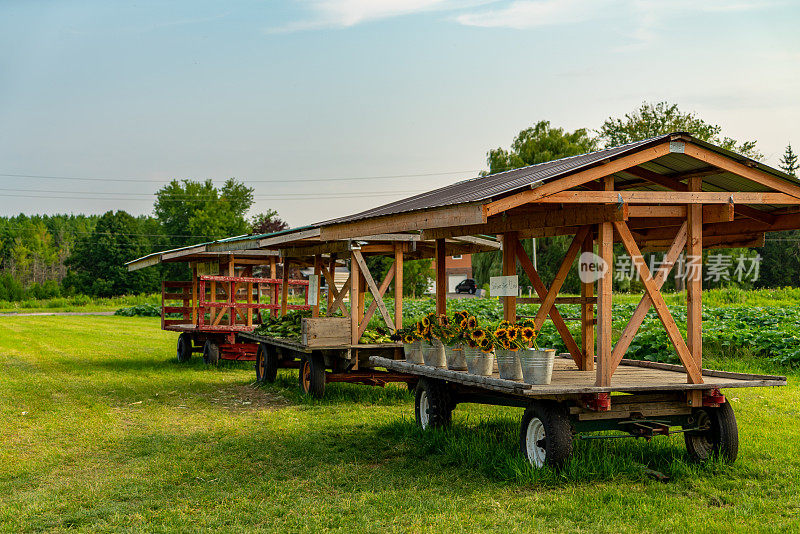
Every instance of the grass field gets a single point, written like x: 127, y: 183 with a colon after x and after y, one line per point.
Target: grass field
x: 102, y: 431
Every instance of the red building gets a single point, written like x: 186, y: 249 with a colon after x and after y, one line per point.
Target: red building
x: 457, y: 268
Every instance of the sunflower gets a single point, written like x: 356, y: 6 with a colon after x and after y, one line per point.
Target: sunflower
x: 471, y: 344
x: 513, y: 332
x: 528, y: 333
x: 527, y: 321
x: 485, y: 345
x: 504, y: 324
x: 478, y: 335
x: 463, y: 323
x: 444, y: 320
x: 409, y: 338
x: 472, y: 322
x: 501, y: 333
x: 426, y: 322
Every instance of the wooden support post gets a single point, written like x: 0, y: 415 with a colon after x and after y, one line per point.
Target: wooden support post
x: 605, y: 249
x: 694, y: 283
x: 510, y: 241
x: 398, y: 286
x: 250, y: 299
x: 273, y: 289
x: 587, y: 314
x: 355, y: 293
x: 331, y: 283
x: 318, y: 274
x: 285, y: 287
x: 231, y: 291
x: 194, y: 294
x: 441, y: 278
x: 212, y: 312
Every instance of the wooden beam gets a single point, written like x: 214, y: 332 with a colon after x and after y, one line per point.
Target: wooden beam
x: 561, y: 276
x: 441, y: 277
x: 587, y: 314
x: 739, y: 226
x: 398, y: 287
x: 694, y: 284
x: 289, y: 237
x: 558, y: 321
x: 373, y: 288
x: 404, y: 222
x: 338, y: 302
x: 667, y: 197
x: 561, y: 184
x: 330, y: 279
x: 753, y: 213
x: 692, y: 370
x: 510, y: 242
x: 605, y: 250
x: 577, y: 216
x: 646, y: 302
x: 711, y: 212
x: 726, y: 241
x: 751, y: 173
x: 656, y: 178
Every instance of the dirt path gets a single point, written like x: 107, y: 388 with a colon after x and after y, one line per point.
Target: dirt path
x: 41, y: 314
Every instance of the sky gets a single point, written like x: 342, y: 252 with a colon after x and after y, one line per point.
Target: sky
x: 329, y: 107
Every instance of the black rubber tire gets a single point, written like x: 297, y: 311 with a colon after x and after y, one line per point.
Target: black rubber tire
x: 266, y: 363
x: 211, y: 352
x: 312, y: 375
x: 473, y: 291
x: 434, y: 395
x: 557, y: 446
x: 184, y: 347
x: 721, y: 438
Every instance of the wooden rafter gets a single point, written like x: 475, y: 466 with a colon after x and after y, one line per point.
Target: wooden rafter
x: 692, y: 369
x: 667, y: 197
x: 751, y: 173
x: 541, y: 290
x: 646, y: 302
x: 574, y: 180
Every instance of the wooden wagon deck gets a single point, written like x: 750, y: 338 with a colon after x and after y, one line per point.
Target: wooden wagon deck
x: 631, y: 376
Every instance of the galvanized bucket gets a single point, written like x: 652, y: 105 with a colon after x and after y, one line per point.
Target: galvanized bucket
x: 537, y: 365
x: 413, y: 352
x: 508, y: 364
x: 478, y: 362
x: 433, y: 354
x: 455, y: 357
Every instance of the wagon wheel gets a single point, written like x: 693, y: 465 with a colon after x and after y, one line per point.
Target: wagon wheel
x: 432, y: 406
x: 545, y: 435
x: 312, y: 375
x: 718, y: 434
x: 211, y: 352
x: 266, y: 363
x: 184, y: 347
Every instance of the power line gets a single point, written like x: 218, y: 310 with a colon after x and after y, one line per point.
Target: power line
x: 288, y: 196
x: 272, y: 180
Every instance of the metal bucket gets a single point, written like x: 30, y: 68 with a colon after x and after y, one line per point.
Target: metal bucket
x: 433, y: 354
x: 455, y: 357
x: 537, y: 365
x: 413, y: 352
x: 508, y: 364
x: 478, y: 362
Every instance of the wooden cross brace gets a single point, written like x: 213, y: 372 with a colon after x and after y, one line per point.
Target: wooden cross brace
x: 543, y: 293
x: 653, y: 291
x: 377, y: 293
x: 338, y: 296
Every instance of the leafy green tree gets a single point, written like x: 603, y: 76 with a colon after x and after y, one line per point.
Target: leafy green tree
x: 652, y: 120
x: 191, y: 212
x: 96, y: 265
x: 789, y: 162
x: 538, y: 144
x: 416, y: 276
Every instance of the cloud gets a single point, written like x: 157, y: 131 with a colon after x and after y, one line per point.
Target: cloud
x: 347, y: 13
x: 524, y: 14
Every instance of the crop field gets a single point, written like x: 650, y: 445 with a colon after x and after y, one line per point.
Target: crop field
x: 103, y: 431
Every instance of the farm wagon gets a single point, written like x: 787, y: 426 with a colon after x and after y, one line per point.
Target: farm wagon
x: 218, y: 313
x: 670, y: 193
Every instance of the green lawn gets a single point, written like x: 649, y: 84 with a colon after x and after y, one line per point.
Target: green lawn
x: 102, y: 431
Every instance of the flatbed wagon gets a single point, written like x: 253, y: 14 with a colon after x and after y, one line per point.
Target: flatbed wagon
x: 645, y: 399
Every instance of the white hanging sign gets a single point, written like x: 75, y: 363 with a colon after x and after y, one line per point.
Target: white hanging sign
x: 313, y: 289
x: 504, y: 286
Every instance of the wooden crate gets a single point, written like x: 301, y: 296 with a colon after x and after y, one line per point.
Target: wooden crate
x: 326, y: 331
